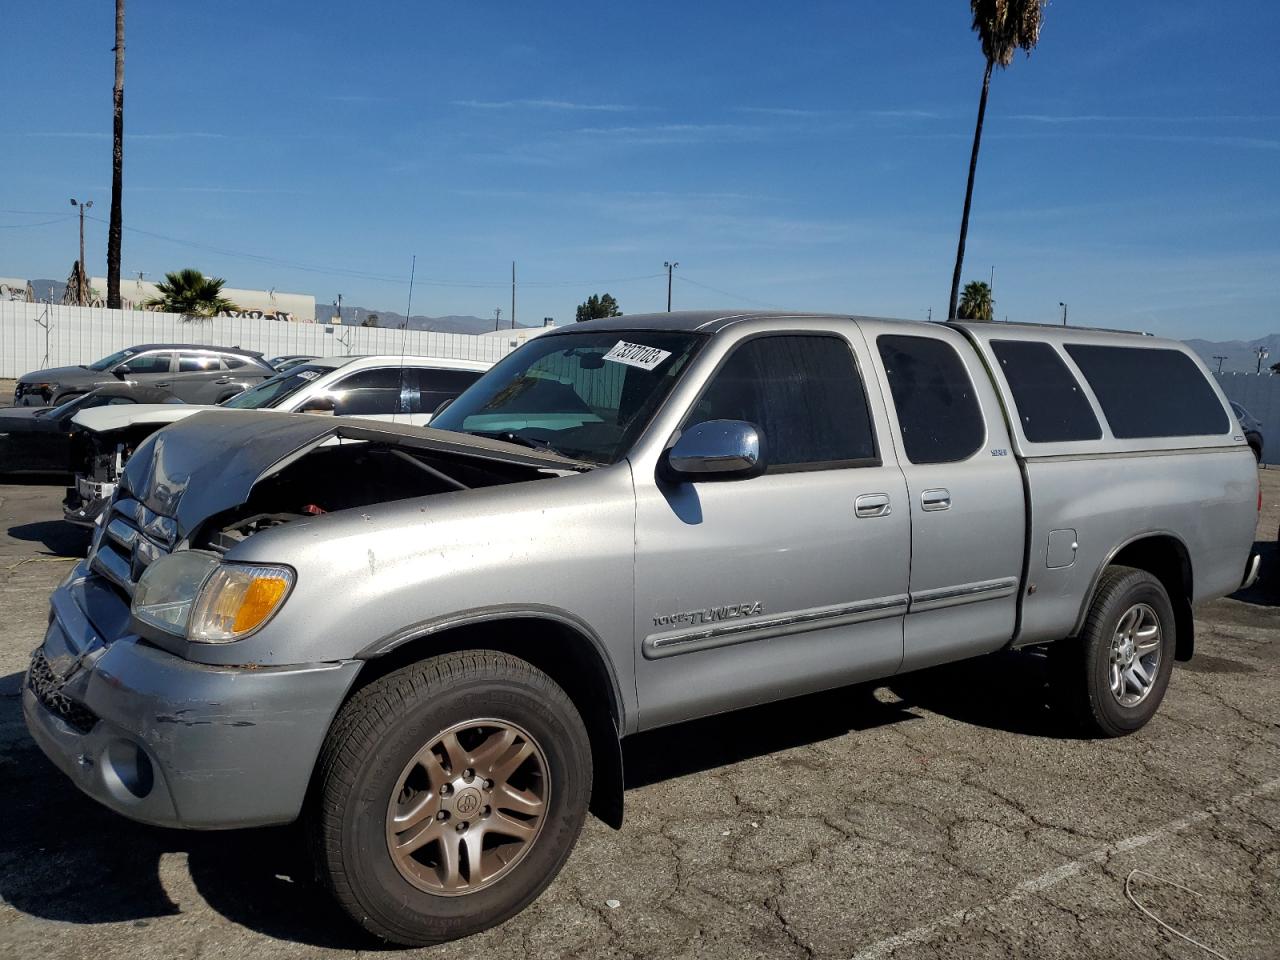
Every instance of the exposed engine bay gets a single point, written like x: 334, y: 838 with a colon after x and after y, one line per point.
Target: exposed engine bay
x: 342, y: 476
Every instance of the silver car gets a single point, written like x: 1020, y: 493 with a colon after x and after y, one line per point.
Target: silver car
x: 429, y: 643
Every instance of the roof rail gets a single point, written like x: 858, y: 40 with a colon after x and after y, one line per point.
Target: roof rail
x: 1051, y: 326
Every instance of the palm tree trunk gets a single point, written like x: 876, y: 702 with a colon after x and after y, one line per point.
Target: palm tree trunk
x: 968, y: 193
x: 117, y: 168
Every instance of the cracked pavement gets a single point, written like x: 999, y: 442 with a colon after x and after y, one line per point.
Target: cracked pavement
x: 941, y: 814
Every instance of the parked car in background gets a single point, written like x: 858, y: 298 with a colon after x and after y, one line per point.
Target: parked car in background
x: 290, y: 361
x: 402, y: 388
x: 39, y: 439
x: 1252, y: 427
x: 430, y: 642
x: 194, y: 373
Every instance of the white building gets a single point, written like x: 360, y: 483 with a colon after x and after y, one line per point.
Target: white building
x: 272, y: 304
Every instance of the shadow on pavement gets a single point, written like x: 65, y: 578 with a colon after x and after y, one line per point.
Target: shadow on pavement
x: 64, y: 857
x: 1002, y: 691
x: 731, y: 737
x: 60, y: 538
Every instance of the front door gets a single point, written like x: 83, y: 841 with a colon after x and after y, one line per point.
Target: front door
x: 759, y: 589
x: 967, y: 507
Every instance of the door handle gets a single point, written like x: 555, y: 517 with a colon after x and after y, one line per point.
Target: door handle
x: 937, y: 499
x: 872, y: 505
x: 223, y: 380
x: 164, y: 384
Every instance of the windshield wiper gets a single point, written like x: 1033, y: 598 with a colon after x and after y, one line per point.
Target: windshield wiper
x: 535, y: 443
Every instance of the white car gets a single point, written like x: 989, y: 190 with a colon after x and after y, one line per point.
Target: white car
x: 402, y: 389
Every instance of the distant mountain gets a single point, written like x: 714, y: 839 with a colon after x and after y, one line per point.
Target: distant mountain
x: 355, y: 316
x: 1241, y: 355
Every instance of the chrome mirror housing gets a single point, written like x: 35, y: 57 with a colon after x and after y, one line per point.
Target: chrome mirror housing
x: 718, y: 450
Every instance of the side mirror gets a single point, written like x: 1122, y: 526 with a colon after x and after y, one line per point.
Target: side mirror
x: 320, y: 404
x: 122, y: 371
x: 718, y: 450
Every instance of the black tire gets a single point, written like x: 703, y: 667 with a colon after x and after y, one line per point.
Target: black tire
x: 379, y: 731
x: 1080, y: 666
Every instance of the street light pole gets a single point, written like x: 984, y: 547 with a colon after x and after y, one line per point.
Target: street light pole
x: 669, y: 267
x: 1064, y: 312
x: 83, y: 282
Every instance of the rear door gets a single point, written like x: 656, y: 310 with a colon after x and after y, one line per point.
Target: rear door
x: 968, y: 514
x: 196, y: 378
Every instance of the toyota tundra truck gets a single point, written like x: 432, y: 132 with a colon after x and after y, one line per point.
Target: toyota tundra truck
x: 428, y: 643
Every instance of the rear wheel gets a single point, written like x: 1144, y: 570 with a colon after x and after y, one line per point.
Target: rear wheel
x: 449, y: 795
x: 1112, y: 678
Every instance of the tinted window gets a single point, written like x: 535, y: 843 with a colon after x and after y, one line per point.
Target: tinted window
x: 1051, y: 404
x: 803, y: 392
x: 1150, y: 392
x: 149, y: 363
x: 427, y: 388
x: 938, y: 412
x: 195, y: 362
x: 233, y: 363
x: 368, y: 393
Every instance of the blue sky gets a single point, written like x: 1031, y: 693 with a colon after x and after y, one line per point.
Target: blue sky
x: 808, y: 155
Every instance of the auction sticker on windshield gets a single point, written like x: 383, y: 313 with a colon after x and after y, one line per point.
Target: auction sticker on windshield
x: 309, y: 374
x: 636, y: 355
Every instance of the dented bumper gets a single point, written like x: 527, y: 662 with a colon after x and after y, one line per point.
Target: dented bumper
x: 165, y: 741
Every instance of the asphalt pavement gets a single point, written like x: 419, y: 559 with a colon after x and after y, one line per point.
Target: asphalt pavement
x: 943, y: 814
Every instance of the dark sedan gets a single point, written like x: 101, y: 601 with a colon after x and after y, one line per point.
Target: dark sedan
x: 39, y: 439
x: 194, y: 373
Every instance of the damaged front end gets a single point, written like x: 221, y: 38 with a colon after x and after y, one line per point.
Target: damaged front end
x: 140, y: 719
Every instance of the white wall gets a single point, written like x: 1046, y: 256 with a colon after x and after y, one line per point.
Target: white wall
x: 78, y: 335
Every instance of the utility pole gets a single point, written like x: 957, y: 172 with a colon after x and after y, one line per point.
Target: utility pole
x: 339, y: 306
x: 1064, y: 312
x: 931, y: 314
x: 497, y: 318
x: 669, y: 267
x: 115, y: 226
x: 513, y: 294
x: 1219, y: 359
x: 992, y: 285
x: 1263, y: 353
x: 83, y: 282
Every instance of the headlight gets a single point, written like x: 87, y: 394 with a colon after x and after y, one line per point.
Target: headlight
x: 194, y: 594
x: 237, y: 599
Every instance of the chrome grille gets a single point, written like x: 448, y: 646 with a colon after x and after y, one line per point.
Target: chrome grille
x: 133, y: 538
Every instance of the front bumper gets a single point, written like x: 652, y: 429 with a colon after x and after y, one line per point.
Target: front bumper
x: 166, y: 741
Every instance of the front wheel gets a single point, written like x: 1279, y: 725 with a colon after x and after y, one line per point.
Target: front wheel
x: 1113, y: 676
x: 449, y: 795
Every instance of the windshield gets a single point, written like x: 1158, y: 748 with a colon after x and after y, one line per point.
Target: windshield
x: 583, y: 395
x: 273, y: 392
x: 107, y: 363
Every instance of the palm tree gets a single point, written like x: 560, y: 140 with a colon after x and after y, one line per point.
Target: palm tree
x: 190, y: 292
x: 117, y: 167
x: 976, y: 303
x: 1005, y: 27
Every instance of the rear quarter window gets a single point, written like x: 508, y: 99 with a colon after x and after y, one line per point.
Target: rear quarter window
x: 1150, y: 392
x: 1051, y: 405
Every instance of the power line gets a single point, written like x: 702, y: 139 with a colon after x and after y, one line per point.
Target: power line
x: 42, y: 223
x: 380, y: 278
x: 732, y: 296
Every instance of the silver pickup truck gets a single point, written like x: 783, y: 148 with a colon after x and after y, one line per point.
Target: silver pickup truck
x: 429, y: 642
